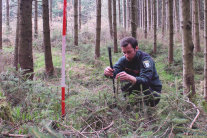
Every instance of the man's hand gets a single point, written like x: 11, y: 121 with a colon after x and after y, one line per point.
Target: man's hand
x: 108, y: 72
x: 124, y: 76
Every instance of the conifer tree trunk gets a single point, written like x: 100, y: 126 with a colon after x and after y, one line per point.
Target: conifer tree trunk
x: 145, y: 19
x: 170, y: 13
x: 163, y: 18
x: 36, y: 20
x: 51, y: 10
x: 128, y: 13
x: 124, y: 15
x: 149, y: 14
x: 205, y: 51
x: 0, y: 25
x: 16, y: 62
x: 155, y: 28
x: 167, y: 16
x: 177, y: 27
x: 143, y: 15
x: 157, y: 7
x: 133, y: 18
x: 76, y: 22
x: 196, y: 26
x: 152, y: 14
x: 7, y: 14
x: 110, y: 18
x: 115, y: 27
x: 79, y: 14
x: 187, y: 46
x: 25, y: 38
x: 98, y: 28
x: 138, y: 14
x: 119, y: 6
x: 46, y: 34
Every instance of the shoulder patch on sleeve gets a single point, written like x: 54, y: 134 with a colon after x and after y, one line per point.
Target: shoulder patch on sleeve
x: 146, y: 63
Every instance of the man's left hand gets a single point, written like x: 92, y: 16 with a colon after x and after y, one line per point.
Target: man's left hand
x: 124, y: 76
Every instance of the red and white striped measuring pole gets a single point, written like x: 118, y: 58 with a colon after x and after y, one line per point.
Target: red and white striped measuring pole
x: 63, y: 58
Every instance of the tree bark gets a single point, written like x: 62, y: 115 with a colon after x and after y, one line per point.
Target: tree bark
x: 36, y: 20
x: 133, y: 18
x: 158, y: 19
x: 110, y: 18
x: 51, y: 10
x: 79, y: 14
x: 196, y: 26
x: 16, y: 62
x: 167, y: 16
x: 119, y: 6
x: 0, y: 24
x: 155, y: 28
x: 205, y: 51
x: 98, y: 28
x: 25, y: 38
x: 170, y: 13
x: 46, y: 34
x: 76, y: 22
x: 163, y: 18
x: 138, y: 14
x: 124, y: 15
x: 7, y: 14
x: 177, y: 27
x: 149, y: 14
x: 187, y: 45
x: 128, y: 13
x: 145, y: 19
x: 115, y: 27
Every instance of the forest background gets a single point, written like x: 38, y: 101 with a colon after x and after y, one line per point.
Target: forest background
x: 173, y: 32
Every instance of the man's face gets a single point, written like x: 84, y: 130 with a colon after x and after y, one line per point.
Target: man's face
x: 129, y: 52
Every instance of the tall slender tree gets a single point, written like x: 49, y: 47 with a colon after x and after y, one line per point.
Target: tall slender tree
x: 25, y: 38
x: 187, y: 46
x: 163, y: 18
x: 51, y: 2
x: 76, y: 22
x: 46, y: 33
x: 110, y: 17
x: 128, y: 13
x: 145, y: 18
x: 79, y: 14
x: 176, y: 5
x: 196, y: 26
x: 119, y: 6
x: 170, y: 13
x: 205, y: 51
x: 36, y: 20
x: 7, y: 14
x: 155, y: 28
x: 16, y: 61
x: 133, y: 18
x: 138, y: 14
x: 115, y: 27
x: 0, y: 24
x: 124, y: 13
x: 98, y: 28
x: 149, y: 14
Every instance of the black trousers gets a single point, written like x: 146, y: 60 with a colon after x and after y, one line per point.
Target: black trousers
x: 150, y: 97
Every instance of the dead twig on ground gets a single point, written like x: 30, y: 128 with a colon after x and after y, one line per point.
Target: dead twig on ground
x: 198, y: 112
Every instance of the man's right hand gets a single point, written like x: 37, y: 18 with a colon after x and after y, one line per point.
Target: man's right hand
x: 108, y: 72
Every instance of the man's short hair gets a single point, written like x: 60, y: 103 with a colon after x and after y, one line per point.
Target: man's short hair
x: 129, y: 40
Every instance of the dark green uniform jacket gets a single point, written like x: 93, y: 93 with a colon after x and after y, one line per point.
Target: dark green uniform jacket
x: 143, y: 68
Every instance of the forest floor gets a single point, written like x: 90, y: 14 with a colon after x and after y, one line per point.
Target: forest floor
x: 34, y: 107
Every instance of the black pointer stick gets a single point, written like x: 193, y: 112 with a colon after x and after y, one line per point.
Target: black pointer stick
x: 111, y: 65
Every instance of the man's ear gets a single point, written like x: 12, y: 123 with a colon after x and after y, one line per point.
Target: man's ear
x: 137, y: 48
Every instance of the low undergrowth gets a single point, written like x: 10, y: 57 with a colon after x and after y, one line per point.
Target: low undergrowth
x: 91, y: 109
